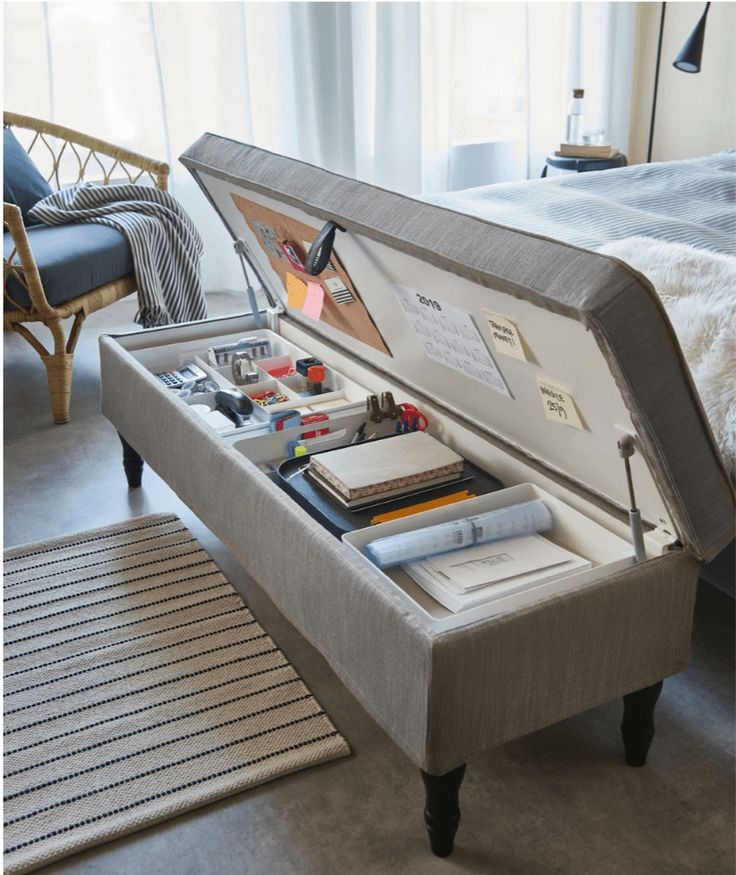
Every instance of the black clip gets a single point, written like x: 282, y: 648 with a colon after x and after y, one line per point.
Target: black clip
x: 388, y: 406
x: 321, y: 250
x: 386, y: 409
x: 374, y: 408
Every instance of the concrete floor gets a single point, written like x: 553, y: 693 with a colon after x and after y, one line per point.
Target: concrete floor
x: 558, y: 801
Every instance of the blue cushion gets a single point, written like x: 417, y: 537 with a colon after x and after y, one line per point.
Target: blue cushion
x: 72, y: 259
x: 23, y: 185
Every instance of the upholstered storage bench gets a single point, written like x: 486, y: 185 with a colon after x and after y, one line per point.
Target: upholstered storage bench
x: 447, y: 691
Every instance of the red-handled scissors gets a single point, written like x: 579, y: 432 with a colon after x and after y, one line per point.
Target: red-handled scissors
x: 412, y: 419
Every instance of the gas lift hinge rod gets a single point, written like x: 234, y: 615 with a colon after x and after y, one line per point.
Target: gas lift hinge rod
x: 246, y: 261
x: 626, y: 451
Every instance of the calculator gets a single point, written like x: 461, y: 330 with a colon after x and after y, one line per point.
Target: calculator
x: 185, y: 374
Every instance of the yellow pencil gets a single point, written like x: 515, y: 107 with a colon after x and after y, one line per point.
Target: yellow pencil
x: 422, y: 506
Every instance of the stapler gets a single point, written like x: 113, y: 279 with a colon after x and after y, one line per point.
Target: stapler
x: 234, y: 405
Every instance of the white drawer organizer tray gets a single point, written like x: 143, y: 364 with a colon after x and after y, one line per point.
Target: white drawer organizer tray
x: 344, y: 404
x: 571, y: 529
x: 446, y: 687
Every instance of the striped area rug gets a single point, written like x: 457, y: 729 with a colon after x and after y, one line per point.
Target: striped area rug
x: 137, y: 686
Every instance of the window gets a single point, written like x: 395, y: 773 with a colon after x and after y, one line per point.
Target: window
x: 489, y: 87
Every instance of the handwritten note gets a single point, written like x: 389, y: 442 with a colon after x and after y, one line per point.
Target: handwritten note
x: 506, y: 337
x: 449, y: 336
x: 296, y: 292
x: 315, y: 299
x: 559, y: 405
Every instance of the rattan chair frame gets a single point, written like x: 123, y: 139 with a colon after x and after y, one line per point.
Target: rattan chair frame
x: 21, y: 265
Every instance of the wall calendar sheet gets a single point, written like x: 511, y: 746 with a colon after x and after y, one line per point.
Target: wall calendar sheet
x: 449, y: 336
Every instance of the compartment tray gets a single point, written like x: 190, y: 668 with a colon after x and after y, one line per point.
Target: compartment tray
x: 338, y: 521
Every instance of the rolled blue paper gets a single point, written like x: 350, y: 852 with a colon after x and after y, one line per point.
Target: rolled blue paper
x: 513, y: 521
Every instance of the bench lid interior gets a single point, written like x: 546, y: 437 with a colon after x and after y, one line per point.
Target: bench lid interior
x: 589, y: 325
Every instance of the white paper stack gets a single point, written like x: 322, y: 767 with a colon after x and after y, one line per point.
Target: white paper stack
x: 474, y: 575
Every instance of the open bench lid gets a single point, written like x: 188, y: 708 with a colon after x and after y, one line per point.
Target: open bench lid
x: 555, y: 350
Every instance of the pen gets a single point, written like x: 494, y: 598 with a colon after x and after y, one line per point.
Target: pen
x: 359, y: 434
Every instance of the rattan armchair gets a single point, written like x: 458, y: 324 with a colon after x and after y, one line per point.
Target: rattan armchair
x: 67, y: 153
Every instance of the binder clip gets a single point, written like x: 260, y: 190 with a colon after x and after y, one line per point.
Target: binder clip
x: 386, y: 409
x: 242, y: 368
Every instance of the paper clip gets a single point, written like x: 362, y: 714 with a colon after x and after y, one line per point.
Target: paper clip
x: 265, y: 399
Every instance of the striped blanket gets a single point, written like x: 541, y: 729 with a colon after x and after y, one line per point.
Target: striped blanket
x: 166, y: 246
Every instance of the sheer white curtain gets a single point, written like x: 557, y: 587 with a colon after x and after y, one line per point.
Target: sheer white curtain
x: 513, y: 67
x: 417, y: 97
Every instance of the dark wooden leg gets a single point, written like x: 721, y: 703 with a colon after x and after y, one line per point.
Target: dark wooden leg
x: 442, y: 809
x: 132, y: 463
x: 637, y: 728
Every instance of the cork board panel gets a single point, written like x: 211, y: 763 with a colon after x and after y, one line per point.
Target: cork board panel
x: 343, y: 307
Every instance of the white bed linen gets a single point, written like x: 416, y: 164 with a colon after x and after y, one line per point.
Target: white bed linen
x: 698, y: 290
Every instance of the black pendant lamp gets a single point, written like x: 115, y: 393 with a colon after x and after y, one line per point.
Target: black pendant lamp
x: 688, y: 61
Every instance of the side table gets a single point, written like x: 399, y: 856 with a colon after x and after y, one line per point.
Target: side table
x: 556, y: 165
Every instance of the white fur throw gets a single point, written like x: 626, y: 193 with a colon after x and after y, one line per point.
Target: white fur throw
x: 698, y: 290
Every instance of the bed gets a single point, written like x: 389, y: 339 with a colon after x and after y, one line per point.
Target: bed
x: 688, y: 202
x: 674, y: 222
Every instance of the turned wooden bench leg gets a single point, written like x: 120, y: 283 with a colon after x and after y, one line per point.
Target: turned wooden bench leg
x: 637, y: 727
x: 132, y: 463
x: 442, y: 809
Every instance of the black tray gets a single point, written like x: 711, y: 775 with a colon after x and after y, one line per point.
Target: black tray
x: 291, y: 477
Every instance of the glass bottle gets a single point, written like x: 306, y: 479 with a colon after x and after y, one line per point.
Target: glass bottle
x: 576, y: 117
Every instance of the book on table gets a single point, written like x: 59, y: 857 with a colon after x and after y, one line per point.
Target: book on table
x: 374, y: 470
x: 580, y: 150
x: 474, y: 575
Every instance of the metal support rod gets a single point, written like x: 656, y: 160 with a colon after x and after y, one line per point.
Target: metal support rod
x: 656, y: 84
x: 626, y: 451
x: 630, y: 483
x: 239, y: 248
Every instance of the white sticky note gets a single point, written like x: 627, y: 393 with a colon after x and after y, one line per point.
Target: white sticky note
x: 559, y: 405
x: 506, y: 337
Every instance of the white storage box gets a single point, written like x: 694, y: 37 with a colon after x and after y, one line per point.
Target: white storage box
x: 573, y: 530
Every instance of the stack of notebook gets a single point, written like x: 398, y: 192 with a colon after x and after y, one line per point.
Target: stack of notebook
x: 375, y: 471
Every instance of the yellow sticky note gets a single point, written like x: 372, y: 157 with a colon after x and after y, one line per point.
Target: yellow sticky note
x: 506, y: 337
x: 296, y: 292
x: 559, y: 405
